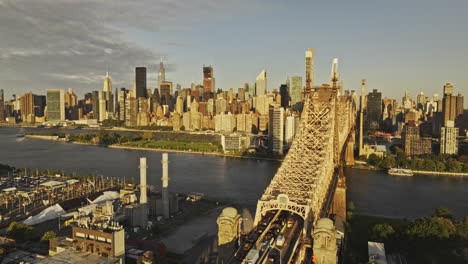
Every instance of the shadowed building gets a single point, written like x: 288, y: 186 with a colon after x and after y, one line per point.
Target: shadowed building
x: 140, y: 82
x: 55, y: 105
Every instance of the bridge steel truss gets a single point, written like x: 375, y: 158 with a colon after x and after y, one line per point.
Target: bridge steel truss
x: 302, y: 182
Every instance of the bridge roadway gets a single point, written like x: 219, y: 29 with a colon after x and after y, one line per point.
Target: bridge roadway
x: 264, y: 239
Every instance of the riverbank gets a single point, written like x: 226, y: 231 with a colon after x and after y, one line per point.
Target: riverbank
x: 419, y: 172
x: 120, y: 146
x: 190, y: 152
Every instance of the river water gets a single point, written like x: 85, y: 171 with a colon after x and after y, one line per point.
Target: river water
x: 234, y: 179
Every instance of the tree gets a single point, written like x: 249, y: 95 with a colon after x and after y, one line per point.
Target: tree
x: 443, y: 212
x: 382, y: 232
x: 20, y: 231
x: 148, y: 136
x: 373, y: 159
x: 48, y: 236
x: 434, y: 228
x: 462, y: 228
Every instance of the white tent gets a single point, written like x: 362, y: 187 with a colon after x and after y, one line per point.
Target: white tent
x: 47, y: 214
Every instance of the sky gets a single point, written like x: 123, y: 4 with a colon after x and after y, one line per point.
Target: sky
x: 397, y: 46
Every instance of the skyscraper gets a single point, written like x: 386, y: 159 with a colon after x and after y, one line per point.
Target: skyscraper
x: 296, y: 91
x: 2, y: 105
x: 161, y: 74
x: 449, y: 104
x: 107, y: 84
x: 309, y: 68
x: 284, y: 92
x: 374, y: 110
x: 208, y: 79
x: 261, y: 83
x: 276, y: 129
x: 140, y: 82
x: 55, y: 105
x: 448, y: 139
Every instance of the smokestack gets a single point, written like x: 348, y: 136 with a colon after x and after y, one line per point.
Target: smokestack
x: 165, y: 185
x: 143, y: 188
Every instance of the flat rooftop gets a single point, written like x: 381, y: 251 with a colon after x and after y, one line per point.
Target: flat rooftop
x: 72, y: 256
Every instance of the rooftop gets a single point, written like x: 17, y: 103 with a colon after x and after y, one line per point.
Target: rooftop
x: 72, y: 256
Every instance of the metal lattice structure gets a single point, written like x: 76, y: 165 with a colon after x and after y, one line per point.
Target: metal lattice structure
x: 302, y: 182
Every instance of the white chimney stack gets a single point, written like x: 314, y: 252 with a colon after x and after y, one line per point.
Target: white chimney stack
x: 143, y: 187
x: 165, y: 184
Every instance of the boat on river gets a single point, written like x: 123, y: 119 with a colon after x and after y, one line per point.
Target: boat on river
x: 400, y: 172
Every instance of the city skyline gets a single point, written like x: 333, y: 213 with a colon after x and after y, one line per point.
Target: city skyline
x: 80, y: 52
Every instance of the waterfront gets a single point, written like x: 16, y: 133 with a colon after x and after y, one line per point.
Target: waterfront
x: 237, y: 180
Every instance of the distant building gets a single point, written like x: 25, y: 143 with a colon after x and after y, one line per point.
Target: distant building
x: 2, y: 105
x: 261, y: 83
x: 161, y: 74
x: 291, y: 127
x: 276, y: 129
x: 284, y: 92
x: 309, y: 68
x: 448, y: 139
x: 296, y: 91
x: 165, y: 93
x: 208, y: 79
x: 373, y: 110
x: 140, y: 82
x: 413, y: 143
x: 55, y: 105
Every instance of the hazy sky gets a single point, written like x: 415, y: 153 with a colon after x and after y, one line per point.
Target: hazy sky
x: 397, y: 45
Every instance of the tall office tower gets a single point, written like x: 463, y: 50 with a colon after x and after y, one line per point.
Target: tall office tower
x: 179, y: 107
x: 261, y: 83
x: 165, y: 185
x: 374, y: 110
x: 449, y: 104
x: 208, y: 79
x: 448, y: 139
x: 140, y: 82
x: 70, y: 98
x: 448, y: 88
x: 2, y: 105
x: 161, y: 74
x: 107, y: 84
x: 116, y: 103
x: 276, y: 129
x: 121, y: 101
x: 102, y: 97
x: 55, y: 105
x: 460, y: 106
x: 241, y: 94
x: 165, y: 93
x: 290, y: 129
x: 309, y: 68
x: 296, y: 92
x: 27, y: 107
x: 95, y: 104
x: 284, y: 92
x: 413, y: 143
x: 421, y: 100
x: 143, y: 194
x: 406, y: 101
x: 334, y: 75
x: 362, y: 106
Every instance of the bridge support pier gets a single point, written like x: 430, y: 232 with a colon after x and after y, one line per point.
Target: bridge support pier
x: 349, y: 154
x: 339, y: 199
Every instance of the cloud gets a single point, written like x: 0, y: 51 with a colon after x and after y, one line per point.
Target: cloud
x: 50, y: 44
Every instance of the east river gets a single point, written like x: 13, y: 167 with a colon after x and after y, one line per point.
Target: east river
x: 236, y: 180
